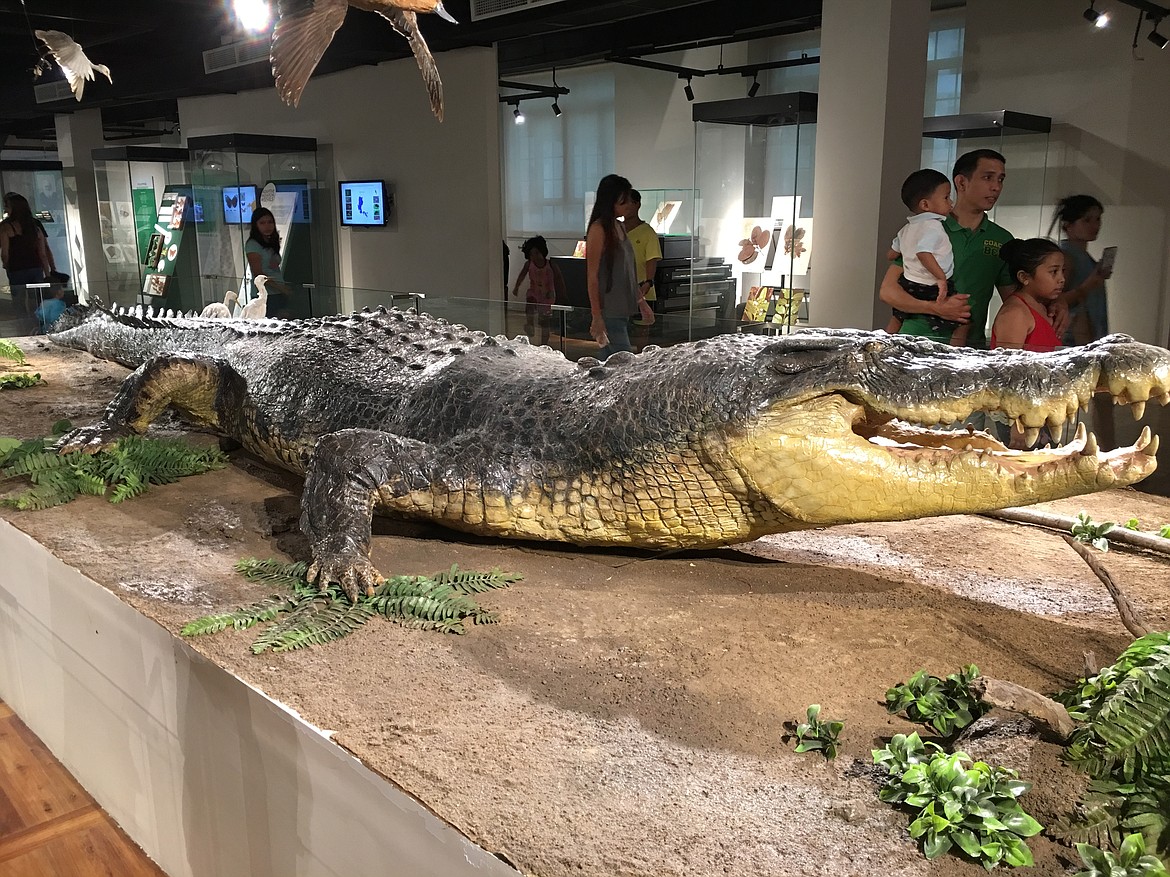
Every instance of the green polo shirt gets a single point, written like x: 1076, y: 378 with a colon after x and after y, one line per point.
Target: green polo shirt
x: 978, y: 271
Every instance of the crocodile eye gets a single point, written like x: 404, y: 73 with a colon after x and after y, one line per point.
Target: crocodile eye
x: 873, y: 346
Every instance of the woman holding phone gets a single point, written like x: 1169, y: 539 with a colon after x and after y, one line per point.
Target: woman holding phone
x: 1084, y: 290
x: 1084, y: 287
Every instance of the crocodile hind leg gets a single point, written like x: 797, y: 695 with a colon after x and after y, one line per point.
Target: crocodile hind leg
x: 199, y: 386
x: 348, y: 471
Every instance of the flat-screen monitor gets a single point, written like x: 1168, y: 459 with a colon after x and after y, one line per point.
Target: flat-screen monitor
x: 363, y: 202
x: 238, y: 202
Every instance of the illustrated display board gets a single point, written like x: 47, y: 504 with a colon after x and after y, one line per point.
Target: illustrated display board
x: 363, y: 203
x: 166, y: 239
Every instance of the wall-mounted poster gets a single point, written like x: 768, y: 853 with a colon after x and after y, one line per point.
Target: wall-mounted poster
x: 795, y: 253
x: 754, y: 240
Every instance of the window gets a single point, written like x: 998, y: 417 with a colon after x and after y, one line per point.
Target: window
x: 552, y: 163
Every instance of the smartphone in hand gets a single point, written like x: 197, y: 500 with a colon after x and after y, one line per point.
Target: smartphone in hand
x: 1108, y: 257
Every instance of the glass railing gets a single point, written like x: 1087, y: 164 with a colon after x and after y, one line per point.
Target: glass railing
x: 562, y: 327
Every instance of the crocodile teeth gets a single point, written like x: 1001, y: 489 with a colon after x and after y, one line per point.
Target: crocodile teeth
x: 1152, y: 448
x: 1080, y: 435
x: 1143, y: 440
x: 1031, y: 435
x: 1138, y: 409
x: 1164, y: 399
x: 1090, y: 449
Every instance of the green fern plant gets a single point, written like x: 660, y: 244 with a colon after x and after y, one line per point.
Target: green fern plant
x: 125, y: 470
x: 1124, y: 744
x: 1126, y: 708
x: 308, y: 616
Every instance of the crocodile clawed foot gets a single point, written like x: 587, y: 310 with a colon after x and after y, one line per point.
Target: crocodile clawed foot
x: 87, y: 439
x: 354, y: 574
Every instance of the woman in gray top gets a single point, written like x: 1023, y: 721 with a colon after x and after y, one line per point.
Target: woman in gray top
x: 610, y: 270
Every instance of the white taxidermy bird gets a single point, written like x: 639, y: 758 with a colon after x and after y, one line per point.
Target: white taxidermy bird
x: 221, y: 311
x: 305, y: 28
x: 257, y: 308
x: 72, y: 60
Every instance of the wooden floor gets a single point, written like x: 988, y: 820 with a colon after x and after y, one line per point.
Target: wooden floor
x: 49, y: 826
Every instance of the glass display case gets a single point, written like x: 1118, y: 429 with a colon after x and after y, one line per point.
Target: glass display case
x: 1022, y: 139
x: 751, y: 250
x: 137, y: 187
x: 232, y: 174
x: 670, y: 212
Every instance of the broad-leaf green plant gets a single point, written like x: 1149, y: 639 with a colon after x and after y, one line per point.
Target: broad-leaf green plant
x: 946, y: 705
x: 959, y: 805
x: 1131, y: 860
x: 813, y: 734
x: 1091, y: 533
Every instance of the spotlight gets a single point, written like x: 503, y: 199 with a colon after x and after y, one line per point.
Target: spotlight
x: 519, y: 120
x: 556, y: 109
x: 1095, y: 18
x: 1156, y: 38
x: 688, y: 91
x: 755, y: 86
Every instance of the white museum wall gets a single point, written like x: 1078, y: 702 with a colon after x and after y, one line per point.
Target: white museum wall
x: 378, y: 124
x: 1109, y: 136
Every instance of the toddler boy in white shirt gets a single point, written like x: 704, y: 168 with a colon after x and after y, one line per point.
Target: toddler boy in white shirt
x: 927, y: 258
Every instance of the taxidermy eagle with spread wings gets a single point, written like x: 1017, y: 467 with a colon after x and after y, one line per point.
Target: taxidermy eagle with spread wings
x: 305, y: 28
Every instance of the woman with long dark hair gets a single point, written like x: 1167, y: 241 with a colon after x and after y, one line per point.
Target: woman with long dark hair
x: 24, y: 247
x: 610, y: 269
x: 263, y: 252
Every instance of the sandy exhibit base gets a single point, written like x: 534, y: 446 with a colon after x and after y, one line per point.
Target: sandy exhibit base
x: 625, y: 715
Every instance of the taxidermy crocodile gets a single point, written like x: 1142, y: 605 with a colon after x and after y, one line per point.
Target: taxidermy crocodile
x: 701, y: 444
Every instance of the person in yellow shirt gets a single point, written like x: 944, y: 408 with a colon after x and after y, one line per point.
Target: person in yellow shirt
x: 647, y: 249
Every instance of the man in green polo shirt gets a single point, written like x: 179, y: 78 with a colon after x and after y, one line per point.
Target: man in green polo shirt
x: 978, y: 177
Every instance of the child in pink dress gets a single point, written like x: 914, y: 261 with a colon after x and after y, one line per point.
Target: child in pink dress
x: 544, y: 284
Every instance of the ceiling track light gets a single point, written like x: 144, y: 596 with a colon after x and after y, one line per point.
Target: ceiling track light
x: 556, y: 108
x: 755, y: 87
x: 1156, y: 38
x: 1095, y: 18
x: 518, y: 114
x: 688, y: 91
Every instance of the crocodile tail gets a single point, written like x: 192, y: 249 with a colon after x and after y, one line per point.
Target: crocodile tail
x: 129, y: 336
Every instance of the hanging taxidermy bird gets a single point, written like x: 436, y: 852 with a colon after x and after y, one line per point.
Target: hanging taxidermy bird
x: 305, y: 28
x: 70, y: 57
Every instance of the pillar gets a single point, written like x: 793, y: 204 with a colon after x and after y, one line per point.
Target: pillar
x: 78, y: 134
x: 869, y: 137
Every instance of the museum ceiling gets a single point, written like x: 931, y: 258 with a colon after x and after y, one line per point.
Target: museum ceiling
x: 155, y: 51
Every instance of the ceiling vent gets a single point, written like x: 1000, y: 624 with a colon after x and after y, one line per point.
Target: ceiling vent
x: 490, y: 8
x: 235, y: 55
x: 48, y: 92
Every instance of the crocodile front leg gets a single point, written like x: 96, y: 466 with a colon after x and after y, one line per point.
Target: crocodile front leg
x: 199, y: 386
x: 348, y: 471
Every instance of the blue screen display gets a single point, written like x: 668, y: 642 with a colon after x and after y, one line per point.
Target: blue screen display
x: 363, y: 202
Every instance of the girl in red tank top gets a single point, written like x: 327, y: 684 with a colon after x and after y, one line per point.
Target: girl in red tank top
x: 1037, y: 265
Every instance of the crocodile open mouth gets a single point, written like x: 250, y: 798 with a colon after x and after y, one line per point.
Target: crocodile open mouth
x: 939, y: 428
